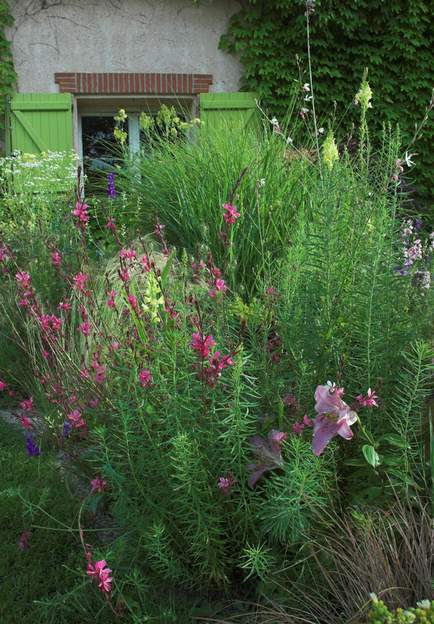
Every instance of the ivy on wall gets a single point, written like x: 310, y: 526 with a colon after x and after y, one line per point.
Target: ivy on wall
x: 395, y: 40
x: 7, y: 72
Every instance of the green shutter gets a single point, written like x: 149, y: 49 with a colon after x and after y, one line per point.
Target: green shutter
x: 40, y: 122
x: 228, y: 110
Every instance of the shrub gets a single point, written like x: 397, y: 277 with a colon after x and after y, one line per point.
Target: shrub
x: 182, y: 388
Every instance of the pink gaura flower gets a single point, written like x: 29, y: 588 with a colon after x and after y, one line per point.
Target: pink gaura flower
x: 127, y: 254
x: 100, y: 572
x: 334, y: 417
x: 124, y: 275
x: 217, y: 363
x: 76, y: 419
x: 368, y: 400
x: 132, y: 300
x: 50, y: 322
x: 145, y: 377
x: 84, y: 328
x: 23, y: 279
x: 225, y: 484
x: 27, y: 404
x: 111, y: 225
x: 64, y: 306
x: 115, y: 346
x: 219, y: 286
x: 100, y: 372
x: 98, y: 484
x: 80, y: 212
x: 56, y: 259
x: 111, y: 299
x: 298, y: 427
x: 79, y: 281
x: 26, y: 423
x: 202, y: 344
x: 231, y: 214
x: 94, y: 402
x: 146, y: 263
x: 3, y: 385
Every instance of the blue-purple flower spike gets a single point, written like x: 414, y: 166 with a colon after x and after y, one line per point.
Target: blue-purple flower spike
x: 111, y: 189
x: 33, y: 449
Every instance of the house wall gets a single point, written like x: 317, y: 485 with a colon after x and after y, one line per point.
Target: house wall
x: 168, y: 36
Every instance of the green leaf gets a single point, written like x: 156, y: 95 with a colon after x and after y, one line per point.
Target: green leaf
x: 394, y: 439
x: 371, y: 455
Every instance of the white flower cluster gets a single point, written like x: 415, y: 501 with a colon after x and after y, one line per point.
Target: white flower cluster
x: 47, y: 172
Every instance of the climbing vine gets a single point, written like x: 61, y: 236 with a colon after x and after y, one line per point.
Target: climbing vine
x: 7, y: 71
x: 395, y: 40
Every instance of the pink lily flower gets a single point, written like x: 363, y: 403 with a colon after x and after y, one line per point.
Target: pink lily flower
x: 334, y: 417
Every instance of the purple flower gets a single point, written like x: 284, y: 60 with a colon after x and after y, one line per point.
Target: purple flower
x: 334, y: 417
x: 33, y: 449
x: 111, y: 189
x: 269, y: 454
x: 418, y: 223
x: 66, y: 429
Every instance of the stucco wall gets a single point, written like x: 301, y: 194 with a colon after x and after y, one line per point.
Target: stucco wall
x: 172, y: 36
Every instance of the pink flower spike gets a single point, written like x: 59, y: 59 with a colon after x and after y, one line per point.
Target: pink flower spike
x: 3, y: 385
x: 127, y: 254
x: 202, y: 344
x: 76, y: 419
x: 231, y: 214
x: 98, y: 484
x: 56, y: 259
x: 145, y: 377
x: 334, y: 417
x: 124, y: 275
x: 64, y: 306
x: 146, y: 263
x: 27, y: 404
x: 23, y: 280
x: 79, y: 281
x: 370, y: 400
x: 132, y: 300
x: 84, y: 328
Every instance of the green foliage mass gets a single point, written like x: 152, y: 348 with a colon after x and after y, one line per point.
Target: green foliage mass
x: 395, y: 40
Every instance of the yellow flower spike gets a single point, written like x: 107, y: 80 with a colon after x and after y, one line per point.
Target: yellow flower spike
x: 330, y: 152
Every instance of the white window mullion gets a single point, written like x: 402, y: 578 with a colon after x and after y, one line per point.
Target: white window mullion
x: 134, y: 133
